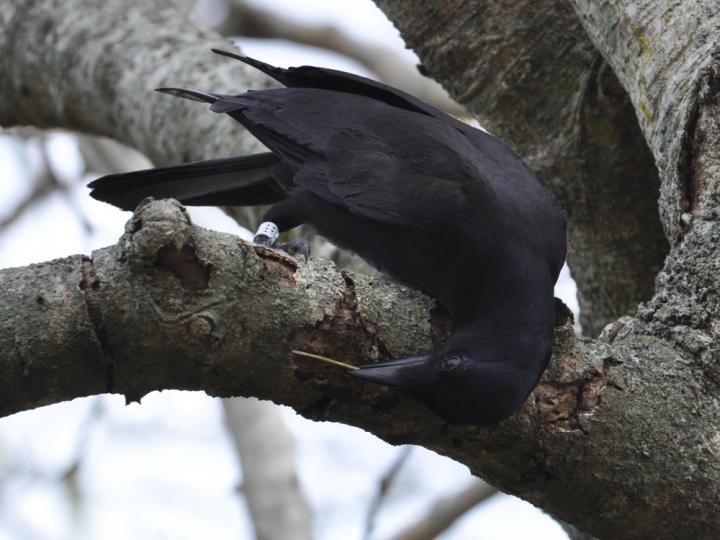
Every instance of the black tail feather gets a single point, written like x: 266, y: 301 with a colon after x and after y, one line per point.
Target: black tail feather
x: 279, y: 74
x: 244, y: 181
x: 192, y: 95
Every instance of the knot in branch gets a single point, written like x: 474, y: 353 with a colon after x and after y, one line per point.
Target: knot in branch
x: 154, y: 226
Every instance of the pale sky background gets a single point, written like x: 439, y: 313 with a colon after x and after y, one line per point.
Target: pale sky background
x: 166, y: 469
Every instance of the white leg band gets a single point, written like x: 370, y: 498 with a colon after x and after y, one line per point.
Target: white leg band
x: 269, y: 229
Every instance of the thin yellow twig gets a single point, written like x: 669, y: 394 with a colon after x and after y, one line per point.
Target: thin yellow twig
x: 324, y: 359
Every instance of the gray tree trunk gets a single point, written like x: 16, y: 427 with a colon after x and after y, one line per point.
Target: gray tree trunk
x: 621, y: 436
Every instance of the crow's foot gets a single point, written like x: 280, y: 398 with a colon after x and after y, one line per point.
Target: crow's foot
x: 295, y: 247
x: 267, y: 235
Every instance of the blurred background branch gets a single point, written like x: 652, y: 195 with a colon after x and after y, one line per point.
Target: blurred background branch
x: 33, y: 150
x: 445, y: 511
x: 384, y: 485
x: 266, y: 449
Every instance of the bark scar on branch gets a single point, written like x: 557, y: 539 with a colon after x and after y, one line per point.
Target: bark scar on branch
x: 348, y: 335
x: 186, y: 266
x: 339, y: 334
x: 562, y: 403
x: 282, y: 266
x: 90, y: 286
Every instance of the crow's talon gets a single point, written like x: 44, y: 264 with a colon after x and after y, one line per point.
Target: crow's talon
x: 295, y: 247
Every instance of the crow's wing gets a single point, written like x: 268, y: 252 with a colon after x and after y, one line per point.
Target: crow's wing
x: 411, y: 182
x: 377, y: 160
x: 341, y: 81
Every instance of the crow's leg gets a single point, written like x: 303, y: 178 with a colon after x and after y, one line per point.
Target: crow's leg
x: 281, y: 217
x: 267, y: 234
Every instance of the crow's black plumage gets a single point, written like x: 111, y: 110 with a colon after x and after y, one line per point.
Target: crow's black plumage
x: 438, y: 205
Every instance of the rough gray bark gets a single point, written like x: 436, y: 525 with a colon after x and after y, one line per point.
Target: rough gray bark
x: 173, y: 301
x: 172, y: 306
x: 665, y: 55
x: 620, y: 437
x: 95, y: 73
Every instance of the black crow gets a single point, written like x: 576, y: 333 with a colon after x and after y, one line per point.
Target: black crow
x: 427, y: 199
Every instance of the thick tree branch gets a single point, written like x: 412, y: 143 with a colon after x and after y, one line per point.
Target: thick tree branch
x: 174, y: 306
x: 196, y: 303
x: 95, y: 73
x: 664, y: 54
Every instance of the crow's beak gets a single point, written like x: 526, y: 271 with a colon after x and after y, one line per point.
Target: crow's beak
x: 402, y: 373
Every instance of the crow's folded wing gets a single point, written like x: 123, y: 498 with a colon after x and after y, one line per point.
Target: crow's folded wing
x: 378, y: 161
x: 396, y: 179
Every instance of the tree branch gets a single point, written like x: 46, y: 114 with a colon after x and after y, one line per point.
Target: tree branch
x: 94, y: 323
x: 174, y: 306
x: 106, y: 88
x: 271, y: 486
x: 663, y: 54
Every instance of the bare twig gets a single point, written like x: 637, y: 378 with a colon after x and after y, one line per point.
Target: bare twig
x: 444, y: 512
x: 44, y: 183
x: 386, y: 482
x: 69, y: 476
